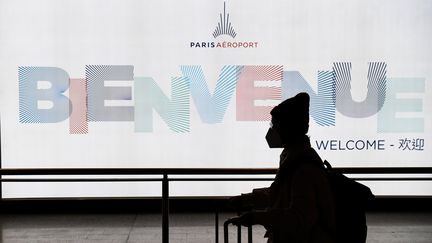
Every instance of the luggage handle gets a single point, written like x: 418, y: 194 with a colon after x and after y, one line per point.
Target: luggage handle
x: 225, y: 226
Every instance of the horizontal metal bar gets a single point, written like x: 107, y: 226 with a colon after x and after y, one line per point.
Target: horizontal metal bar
x: 221, y: 179
x: 384, y: 170
x: 126, y: 179
x: 271, y: 179
x: 136, y: 171
x: 201, y: 171
x: 393, y: 179
x: 78, y: 179
x: 192, y: 179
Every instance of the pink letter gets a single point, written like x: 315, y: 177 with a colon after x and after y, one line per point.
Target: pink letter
x: 248, y: 92
x: 78, y: 96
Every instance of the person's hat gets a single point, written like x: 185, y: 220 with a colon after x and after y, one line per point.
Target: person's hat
x: 293, y: 114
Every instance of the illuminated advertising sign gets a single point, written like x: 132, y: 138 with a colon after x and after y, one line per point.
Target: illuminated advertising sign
x: 151, y: 84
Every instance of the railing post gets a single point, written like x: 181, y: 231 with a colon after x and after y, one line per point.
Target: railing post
x: 225, y: 226
x: 165, y: 209
x: 217, y: 227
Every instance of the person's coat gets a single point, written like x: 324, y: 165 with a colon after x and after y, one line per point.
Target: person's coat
x: 299, y: 202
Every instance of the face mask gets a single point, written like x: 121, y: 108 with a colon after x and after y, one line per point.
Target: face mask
x: 273, y: 139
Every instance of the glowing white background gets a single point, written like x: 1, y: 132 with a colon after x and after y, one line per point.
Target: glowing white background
x: 154, y: 37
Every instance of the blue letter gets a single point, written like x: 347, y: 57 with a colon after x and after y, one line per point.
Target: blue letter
x: 212, y: 109
x: 376, y: 93
x: 30, y: 94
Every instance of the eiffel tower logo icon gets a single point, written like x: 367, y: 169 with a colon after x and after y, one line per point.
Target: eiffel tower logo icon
x: 224, y: 26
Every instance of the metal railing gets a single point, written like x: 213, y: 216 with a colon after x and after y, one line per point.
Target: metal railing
x: 165, y: 174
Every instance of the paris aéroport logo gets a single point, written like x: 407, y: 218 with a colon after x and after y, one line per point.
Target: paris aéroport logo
x: 224, y: 27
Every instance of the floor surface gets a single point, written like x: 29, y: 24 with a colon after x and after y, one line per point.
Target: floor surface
x: 184, y: 228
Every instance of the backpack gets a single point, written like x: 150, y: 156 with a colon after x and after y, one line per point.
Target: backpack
x: 351, y: 200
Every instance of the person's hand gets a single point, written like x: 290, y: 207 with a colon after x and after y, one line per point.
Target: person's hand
x: 236, y: 202
x: 246, y: 219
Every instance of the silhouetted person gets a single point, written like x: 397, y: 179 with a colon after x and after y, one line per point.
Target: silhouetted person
x: 298, y: 205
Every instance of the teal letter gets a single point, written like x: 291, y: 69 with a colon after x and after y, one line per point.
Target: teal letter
x: 387, y: 117
x: 174, y: 112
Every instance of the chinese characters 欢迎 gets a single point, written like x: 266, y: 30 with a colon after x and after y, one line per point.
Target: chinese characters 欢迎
x: 411, y: 144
